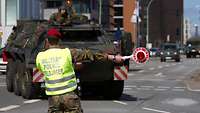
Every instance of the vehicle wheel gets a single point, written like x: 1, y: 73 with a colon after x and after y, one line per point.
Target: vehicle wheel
x: 162, y: 60
x: 16, y: 83
x: 194, y: 56
x: 29, y: 89
x: 113, y: 89
x: 188, y: 56
x: 177, y: 60
x: 10, y: 72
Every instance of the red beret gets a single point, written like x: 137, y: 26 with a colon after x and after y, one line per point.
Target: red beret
x: 54, y: 33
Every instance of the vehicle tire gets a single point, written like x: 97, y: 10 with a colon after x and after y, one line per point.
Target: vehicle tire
x: 177, y: 60
x: 29, y: 89
x: 188, y: 56
x: 10, y: 72
x: 162, y: 60
x: 113, y: 89
x: 16, y: 85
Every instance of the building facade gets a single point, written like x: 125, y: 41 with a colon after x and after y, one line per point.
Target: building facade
x: 12, y: 10
x: 162, y: 19
x: 187, y: 30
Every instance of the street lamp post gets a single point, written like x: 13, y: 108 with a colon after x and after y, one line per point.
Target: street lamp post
x: 147, y: 37
x: 100, y: 11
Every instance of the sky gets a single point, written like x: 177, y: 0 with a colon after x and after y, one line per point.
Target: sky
x: 192, y: 11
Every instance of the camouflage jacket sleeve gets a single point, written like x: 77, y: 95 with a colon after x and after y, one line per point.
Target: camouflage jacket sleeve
x: 83, y: 55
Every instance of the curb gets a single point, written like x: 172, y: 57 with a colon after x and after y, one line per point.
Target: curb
x: 191, y: 89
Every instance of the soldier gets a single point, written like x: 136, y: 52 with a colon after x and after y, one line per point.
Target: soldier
x: 59, y: 75
x: 57, y: 18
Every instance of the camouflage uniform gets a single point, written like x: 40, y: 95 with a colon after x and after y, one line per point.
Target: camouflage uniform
x: 65, y: 103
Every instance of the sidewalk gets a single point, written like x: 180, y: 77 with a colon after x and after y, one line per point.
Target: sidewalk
x: 193, y: 83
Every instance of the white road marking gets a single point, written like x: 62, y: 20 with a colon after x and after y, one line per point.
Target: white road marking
x: 173, y: 64
x: 2, y: 84
x: 157, y: 89
x: 31, y: 101
x: 9, y: 108
x: 120, y: 102
x: 155, y: 110
x: 129, y: 75
x: 2, y: 77
x: 178, y: 89
x: 127, y: 88
x: 151, y: 68
x: 143, y: 89
x: 141, y: 71
x: 159, y: 67
x: 130, y: 86
x: 157, y: 80
x: 158, y: 74
x: 163, y: 87
x: 147, y: 86
x: 167, y: 65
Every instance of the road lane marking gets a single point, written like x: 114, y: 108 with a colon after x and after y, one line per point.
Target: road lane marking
x: 130, y: 86
x: 2, y: 77
x: 127, y: 88
x: 129, y: 75
x: 141, y: 71
x: 163, y: 87
x: 120, y: 102
x: 158, y: 74
x: 31, y: 101
x: 159, y: 67
x: 147, y: 86
x: 143, y: 89
x: 167, y: 65
x: 155, y: 110
x: 178, y: 89
x: 151, y: 68
x: 9, y: 108
x: 158, y: 89
x: 3, y: 85
x: 173, y: 64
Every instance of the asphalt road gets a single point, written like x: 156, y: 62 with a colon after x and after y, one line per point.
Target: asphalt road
x: 153, y: 87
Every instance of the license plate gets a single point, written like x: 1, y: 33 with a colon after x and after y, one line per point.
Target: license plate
x: 168, y: 58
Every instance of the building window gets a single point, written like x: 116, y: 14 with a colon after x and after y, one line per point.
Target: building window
x: 11, y: 12
x: 53, y: 4
x: 118, y: 2
x: 118, y: 22
x: 118, y: 11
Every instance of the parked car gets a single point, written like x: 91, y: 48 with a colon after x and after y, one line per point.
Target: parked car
x: 169, y: 51
x: 3, y: 62
x: 154, y: 52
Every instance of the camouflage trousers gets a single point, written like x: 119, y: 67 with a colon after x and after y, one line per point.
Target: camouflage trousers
x: 66, y: 103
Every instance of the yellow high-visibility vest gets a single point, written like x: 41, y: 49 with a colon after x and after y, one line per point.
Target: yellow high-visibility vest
x: 56, y: 65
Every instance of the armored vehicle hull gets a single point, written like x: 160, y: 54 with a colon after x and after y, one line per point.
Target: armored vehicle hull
x: 108, y: 78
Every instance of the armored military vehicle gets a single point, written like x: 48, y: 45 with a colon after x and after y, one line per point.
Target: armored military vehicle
x: 23, y: 78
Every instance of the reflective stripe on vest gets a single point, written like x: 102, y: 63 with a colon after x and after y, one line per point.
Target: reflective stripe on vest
x: 58, y: 70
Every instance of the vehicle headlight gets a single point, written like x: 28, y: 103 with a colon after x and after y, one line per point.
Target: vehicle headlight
x: 175, y: 53
x: 161, y: 53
